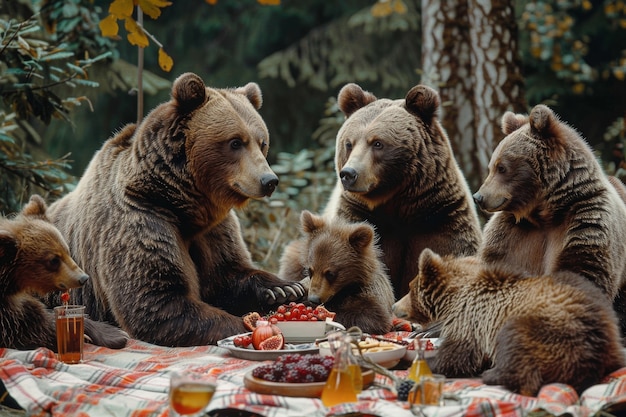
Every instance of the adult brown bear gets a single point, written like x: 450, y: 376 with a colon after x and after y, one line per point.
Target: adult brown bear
x: 554, y: 207
x: 151, y: 219
x: 396, y: 170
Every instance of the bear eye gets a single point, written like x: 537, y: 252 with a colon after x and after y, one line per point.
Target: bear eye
x: 236, y: 144
x: 377, y: 145
x: 329, y: 276
x: 348, y: 146
x: 53, y: 264
x: 263, y: 145
x: 500, y: 169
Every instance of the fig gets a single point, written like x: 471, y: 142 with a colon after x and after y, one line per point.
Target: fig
x: 276, y: 342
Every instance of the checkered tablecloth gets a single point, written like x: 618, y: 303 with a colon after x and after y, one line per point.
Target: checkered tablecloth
x: 134, y: 382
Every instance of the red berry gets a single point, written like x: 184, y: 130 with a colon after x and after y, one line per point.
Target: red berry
x: 65, y: 297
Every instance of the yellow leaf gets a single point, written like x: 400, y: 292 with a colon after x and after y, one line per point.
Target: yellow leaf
x: 269, y: 2
x: 108, y: 26
x: 153, y: 7
x: 165, y: 61
x: 399, y: 7
x: 121, y: 8
x: 135, y: 33
x: 381, y: 9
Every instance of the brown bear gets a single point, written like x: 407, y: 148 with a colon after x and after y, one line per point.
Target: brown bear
x: 555, y: 209
x: 520, y: 331
x: 34, y: 258
x: 152, y: 220
x: 346, y: 270
x: 396, y: 170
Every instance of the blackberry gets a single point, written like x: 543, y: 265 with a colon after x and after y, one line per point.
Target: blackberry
x: 403, y: 389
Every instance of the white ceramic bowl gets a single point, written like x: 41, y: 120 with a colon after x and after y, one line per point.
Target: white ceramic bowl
x: 307, y: 331
x: 428, y: 354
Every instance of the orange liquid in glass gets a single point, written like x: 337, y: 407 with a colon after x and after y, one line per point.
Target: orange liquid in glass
x: 339, y: 388
x: 70, y: 336
x: 190, y: 398
x: 419, y: 368
x: 357, y: 377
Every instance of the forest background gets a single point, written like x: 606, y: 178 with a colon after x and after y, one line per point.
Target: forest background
x: 66, y: 88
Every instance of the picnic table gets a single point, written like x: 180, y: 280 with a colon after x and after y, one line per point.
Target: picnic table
x: 134, y: 381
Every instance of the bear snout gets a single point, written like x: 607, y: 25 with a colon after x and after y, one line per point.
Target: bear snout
x: 478, y: 199
x: 348, y: 176
x: 315, y: 299
x: 268, y: 184
x: 83, y: 279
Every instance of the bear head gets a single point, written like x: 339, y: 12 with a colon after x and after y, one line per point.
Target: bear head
x: 212, y: 141
x: 379, y: 145
x: 439, y: 279
x: 338, y: 256
x: 541, y: 162
x: 33, y: 254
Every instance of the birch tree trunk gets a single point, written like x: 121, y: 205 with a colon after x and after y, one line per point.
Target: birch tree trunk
x: 470, y: 55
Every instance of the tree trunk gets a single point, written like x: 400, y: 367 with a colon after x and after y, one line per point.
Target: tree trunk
x: 469, y: 53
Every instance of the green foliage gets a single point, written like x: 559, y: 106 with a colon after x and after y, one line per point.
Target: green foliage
x: 383, y: 51
x: 34, y: 66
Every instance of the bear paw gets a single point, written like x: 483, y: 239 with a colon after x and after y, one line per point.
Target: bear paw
x: 291, y: 291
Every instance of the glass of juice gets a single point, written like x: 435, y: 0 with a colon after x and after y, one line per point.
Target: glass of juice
x: 427, y: 392
x: 70, y: 326
x: 190, y: 392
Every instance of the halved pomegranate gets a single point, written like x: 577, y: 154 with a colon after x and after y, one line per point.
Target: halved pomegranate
x: 265, y: 331
x: 250, y: 320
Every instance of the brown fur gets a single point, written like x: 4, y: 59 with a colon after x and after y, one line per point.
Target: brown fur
x: 396, y: 170
x: 518, y: 331
x: 151, y: 219
x: 347, y: 275
x: 34, y: 258
x: 555, y: 209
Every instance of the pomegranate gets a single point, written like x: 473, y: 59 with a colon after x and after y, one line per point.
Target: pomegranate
x: 265, y: 331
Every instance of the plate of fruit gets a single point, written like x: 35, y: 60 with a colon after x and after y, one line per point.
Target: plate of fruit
x: 298, y: 322
x: 295, y: 375
x: 240, y: 346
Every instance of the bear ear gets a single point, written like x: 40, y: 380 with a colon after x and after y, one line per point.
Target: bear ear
x: 429, y: 265
x: 253, y: 92
x: 8, y: 247
x: 189, y: 92
x: 352, y: 97
x: 422, y: 101
x: 511, y: 122
x: 361, y: 237
x: 36, y: 207
x: 310, y: 222
x: 543, y: 121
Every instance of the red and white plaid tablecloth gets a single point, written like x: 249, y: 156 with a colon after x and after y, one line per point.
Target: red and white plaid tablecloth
x: 134, y: 382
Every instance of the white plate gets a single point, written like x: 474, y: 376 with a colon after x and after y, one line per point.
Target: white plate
x: 250, y: 353
x: 386, y: 358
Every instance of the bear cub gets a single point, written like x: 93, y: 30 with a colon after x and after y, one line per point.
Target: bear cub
x: 347, y: 275
x: 34, y: 258
x: 519, y: 331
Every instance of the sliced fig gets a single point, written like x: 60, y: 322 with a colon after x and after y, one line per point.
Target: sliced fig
x: 250, y: 319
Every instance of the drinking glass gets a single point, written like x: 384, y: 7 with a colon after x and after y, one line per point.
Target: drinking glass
x: 427, y: 391
x: 70, y: 326
x: 190, y: 392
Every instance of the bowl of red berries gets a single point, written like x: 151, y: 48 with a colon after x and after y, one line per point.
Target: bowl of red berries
x: 300, y: 323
